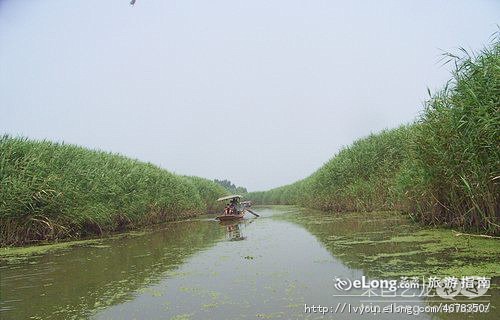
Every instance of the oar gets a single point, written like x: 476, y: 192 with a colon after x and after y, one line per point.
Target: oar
x: 252, y: 212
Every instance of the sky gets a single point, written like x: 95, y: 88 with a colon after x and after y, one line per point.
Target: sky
x: 258, y: 92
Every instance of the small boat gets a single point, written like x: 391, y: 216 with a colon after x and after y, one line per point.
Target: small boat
x: 235, y: 209
x: 228, y: 217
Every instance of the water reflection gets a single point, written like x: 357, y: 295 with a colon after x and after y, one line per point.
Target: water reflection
x: 72, y: 283
x: 234, y: 229
x: 386, y: 245
x: 202, y: 269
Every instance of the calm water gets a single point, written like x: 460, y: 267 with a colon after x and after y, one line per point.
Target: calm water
x: 265, y: 268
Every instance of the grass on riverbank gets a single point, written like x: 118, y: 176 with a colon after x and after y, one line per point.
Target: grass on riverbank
x: 453, y: 175
x: 359, y: 178
x: 444, y: 169
x: 52, y: 191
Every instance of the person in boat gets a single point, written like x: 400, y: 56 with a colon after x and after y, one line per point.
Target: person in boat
x: 233, y: 206
x: 230, y: 208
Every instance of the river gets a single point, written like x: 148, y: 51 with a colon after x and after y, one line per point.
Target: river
x: 273, y: 267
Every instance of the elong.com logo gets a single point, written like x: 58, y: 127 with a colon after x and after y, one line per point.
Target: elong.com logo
x: 346, y: 284
x: 447, y: 287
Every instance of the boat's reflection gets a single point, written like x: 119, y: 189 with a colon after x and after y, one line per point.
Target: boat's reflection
x: 234, y: 229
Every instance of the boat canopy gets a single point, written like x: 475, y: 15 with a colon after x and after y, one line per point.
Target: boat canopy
x: 230, y: 197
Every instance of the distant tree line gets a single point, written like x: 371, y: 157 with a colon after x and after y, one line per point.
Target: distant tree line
x: 230, y: 186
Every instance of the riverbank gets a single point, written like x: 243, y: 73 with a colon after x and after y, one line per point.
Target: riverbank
x: 53, y: 191
x: 442, y: 169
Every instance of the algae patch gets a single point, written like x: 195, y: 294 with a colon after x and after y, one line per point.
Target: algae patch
x: 9, y: 253
x: 390, y: 245
x: 16, y: 253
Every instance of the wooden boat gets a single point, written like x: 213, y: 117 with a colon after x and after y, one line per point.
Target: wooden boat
x: 229, y: 217
x: 238, y: 208
x: 236, y: 214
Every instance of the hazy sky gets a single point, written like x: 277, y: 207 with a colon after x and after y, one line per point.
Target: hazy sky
x: 258, y: 92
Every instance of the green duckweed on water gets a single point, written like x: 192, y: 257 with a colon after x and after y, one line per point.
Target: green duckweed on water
x: 192, y: 270
x: 15, y: 253
x: 388, y: 244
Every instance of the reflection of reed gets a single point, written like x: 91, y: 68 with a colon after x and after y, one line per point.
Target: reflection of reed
x: 77, y: 282
x: 368, y: 242
x: 382, y: 243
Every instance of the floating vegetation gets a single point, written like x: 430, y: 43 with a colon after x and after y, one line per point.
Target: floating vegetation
x: 392, y: 248
x: 184, y: 316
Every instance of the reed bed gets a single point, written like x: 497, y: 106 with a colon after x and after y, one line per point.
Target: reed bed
x: 456, y: 158
x: 443, y: 169
x: 51, y: 191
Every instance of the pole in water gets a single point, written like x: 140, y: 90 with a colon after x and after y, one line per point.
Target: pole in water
x: 252, y: 212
